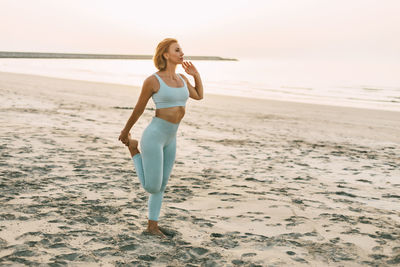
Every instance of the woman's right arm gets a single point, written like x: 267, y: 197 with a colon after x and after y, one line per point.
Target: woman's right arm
x: 146, y: 93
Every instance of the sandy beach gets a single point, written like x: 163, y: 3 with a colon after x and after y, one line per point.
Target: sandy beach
x: 255, y: 183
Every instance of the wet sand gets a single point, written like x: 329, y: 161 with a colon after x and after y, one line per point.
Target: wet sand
x: 256, y: 182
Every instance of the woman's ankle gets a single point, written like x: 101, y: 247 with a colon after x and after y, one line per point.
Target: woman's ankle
x: 152, y: 225
x: 133, y: 147
x: 134, y: 152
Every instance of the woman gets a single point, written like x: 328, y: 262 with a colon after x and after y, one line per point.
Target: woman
x: 158, y: 144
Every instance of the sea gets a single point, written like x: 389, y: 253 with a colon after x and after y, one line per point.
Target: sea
x: 360, y: 84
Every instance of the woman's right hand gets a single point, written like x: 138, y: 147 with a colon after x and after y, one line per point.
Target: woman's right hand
x: 123, y: 137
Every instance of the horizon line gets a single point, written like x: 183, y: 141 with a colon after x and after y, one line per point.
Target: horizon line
x: 7, y: 54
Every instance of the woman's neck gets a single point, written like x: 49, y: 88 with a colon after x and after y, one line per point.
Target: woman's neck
x: 170, y: 70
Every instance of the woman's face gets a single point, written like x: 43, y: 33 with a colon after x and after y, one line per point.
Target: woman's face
x: 175, y: 54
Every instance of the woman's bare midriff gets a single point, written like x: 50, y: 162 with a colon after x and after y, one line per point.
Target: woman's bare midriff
x: 172, y: 114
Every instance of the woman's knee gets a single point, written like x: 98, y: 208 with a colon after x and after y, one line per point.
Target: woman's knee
x: 152, y: 189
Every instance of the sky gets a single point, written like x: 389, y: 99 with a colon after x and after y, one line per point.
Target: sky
x: 253, y: 28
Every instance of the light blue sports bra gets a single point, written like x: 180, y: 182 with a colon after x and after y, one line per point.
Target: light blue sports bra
x: 168, y: 96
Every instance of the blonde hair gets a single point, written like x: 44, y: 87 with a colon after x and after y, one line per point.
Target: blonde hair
x: 159, y: 61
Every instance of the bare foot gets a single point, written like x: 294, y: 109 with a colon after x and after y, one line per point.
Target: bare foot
x: 156, y: 232
x: 153, y: 229
x: 133, y: 146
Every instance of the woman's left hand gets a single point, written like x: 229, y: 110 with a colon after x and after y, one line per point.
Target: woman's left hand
x: 189, y: 68
x: 123, y: 137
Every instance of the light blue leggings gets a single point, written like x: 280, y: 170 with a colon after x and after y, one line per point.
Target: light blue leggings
x: 154, y: 163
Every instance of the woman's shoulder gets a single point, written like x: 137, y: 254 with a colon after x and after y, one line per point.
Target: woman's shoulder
x: 151, y: 83
x: 150, y: 79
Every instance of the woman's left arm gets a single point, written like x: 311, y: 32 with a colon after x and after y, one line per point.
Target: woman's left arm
x: 196, y: 91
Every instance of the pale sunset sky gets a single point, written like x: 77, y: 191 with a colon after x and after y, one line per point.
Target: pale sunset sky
x: 258, y: 28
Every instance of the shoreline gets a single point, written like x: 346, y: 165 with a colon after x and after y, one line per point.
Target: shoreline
x: 283, y: 102
x: 378, y: 125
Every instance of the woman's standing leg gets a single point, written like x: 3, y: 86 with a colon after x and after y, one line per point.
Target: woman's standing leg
x: 155, y: 199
